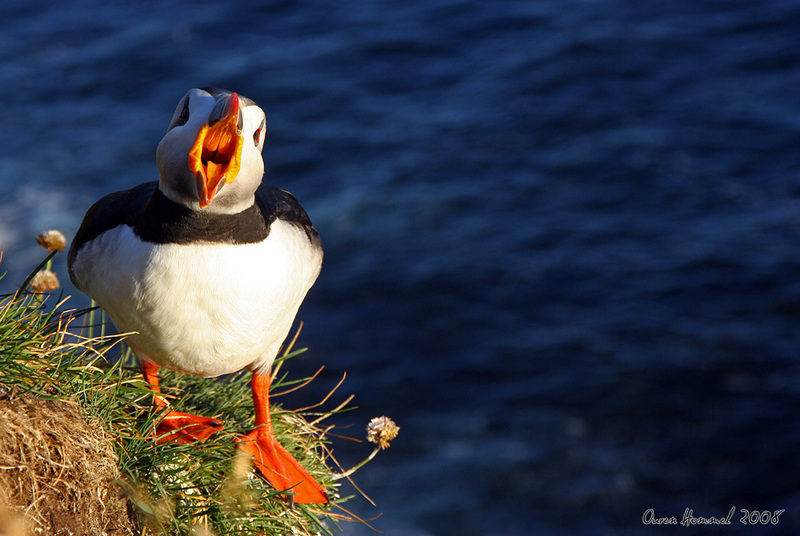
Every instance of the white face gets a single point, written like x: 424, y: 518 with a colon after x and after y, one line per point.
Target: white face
x: 179, y: 183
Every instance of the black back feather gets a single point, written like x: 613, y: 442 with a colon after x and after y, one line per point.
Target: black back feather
x: 157, y: 219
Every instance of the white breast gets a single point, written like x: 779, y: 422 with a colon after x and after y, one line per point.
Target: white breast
x: 204, y: 309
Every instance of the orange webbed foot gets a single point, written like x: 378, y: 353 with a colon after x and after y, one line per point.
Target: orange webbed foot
x: 176, y: 426
x: 271, y: 458
x: 280, y: 468
x: 181, y: 427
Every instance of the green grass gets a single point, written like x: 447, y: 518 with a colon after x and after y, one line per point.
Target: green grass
x: 53, y: 352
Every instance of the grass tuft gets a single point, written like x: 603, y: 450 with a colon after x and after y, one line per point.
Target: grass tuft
x: 54, y: 356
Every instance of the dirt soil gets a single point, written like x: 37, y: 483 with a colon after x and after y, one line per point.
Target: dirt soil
x: 58, y: 471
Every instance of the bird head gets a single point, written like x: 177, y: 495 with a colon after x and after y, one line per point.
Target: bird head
x: 210, y: 157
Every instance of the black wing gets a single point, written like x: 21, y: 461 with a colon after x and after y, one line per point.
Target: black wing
x: 119, y: 208
x: 275, y: 203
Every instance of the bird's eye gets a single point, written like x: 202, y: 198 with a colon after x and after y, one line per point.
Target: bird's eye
x: 184, y: 117
x: 259, y: 132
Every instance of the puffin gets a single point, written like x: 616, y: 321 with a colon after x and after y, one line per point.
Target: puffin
x: 205, y: 270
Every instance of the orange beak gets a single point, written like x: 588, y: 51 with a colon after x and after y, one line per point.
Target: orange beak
x: 216, y: 155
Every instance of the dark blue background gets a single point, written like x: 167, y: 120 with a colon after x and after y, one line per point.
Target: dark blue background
x: 562, y: 236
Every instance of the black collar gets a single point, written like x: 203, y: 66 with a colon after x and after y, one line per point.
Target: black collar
x: 164, y: 221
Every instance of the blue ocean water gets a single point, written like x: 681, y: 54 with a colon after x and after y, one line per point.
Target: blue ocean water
x: 562, y: 236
